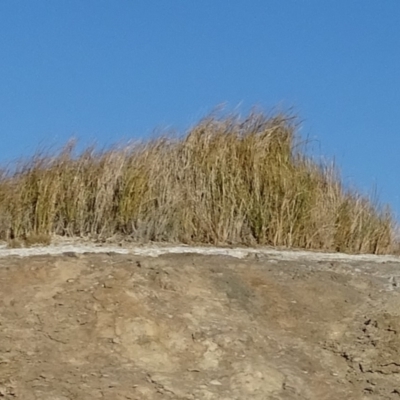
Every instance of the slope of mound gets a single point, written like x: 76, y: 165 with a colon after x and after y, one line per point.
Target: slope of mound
x: 261, y: 325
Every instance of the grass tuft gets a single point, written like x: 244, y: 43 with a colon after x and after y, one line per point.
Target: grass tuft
x: 229, y: 180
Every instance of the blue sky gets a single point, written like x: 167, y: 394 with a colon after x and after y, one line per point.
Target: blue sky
x: 117, y: 69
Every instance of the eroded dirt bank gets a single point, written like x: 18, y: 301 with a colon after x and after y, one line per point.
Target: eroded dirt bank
x: 195, y: 327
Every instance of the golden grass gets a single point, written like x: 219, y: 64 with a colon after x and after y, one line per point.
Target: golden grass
x: 228, y: 181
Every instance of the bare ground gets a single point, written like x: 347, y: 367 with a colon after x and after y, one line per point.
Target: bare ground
x: 198, y: 327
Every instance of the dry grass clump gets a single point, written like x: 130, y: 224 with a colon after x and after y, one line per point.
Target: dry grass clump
x: 228, y: 181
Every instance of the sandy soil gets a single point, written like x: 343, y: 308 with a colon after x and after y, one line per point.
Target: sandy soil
x: 259, y: 325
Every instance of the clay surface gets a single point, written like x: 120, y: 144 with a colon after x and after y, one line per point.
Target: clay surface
x: 198, y: 327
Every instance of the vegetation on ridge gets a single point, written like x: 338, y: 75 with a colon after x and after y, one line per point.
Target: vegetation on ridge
x: 229, y: 180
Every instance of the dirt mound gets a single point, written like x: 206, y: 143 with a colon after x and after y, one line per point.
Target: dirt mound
x: 193, y: 327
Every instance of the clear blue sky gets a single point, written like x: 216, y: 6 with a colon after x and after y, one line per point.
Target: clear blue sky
x: 114, y: 69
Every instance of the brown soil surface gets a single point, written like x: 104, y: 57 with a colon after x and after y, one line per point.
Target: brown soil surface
x: 193, y: 327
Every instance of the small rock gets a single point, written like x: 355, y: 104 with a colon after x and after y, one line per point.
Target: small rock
x: 70, y: 254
